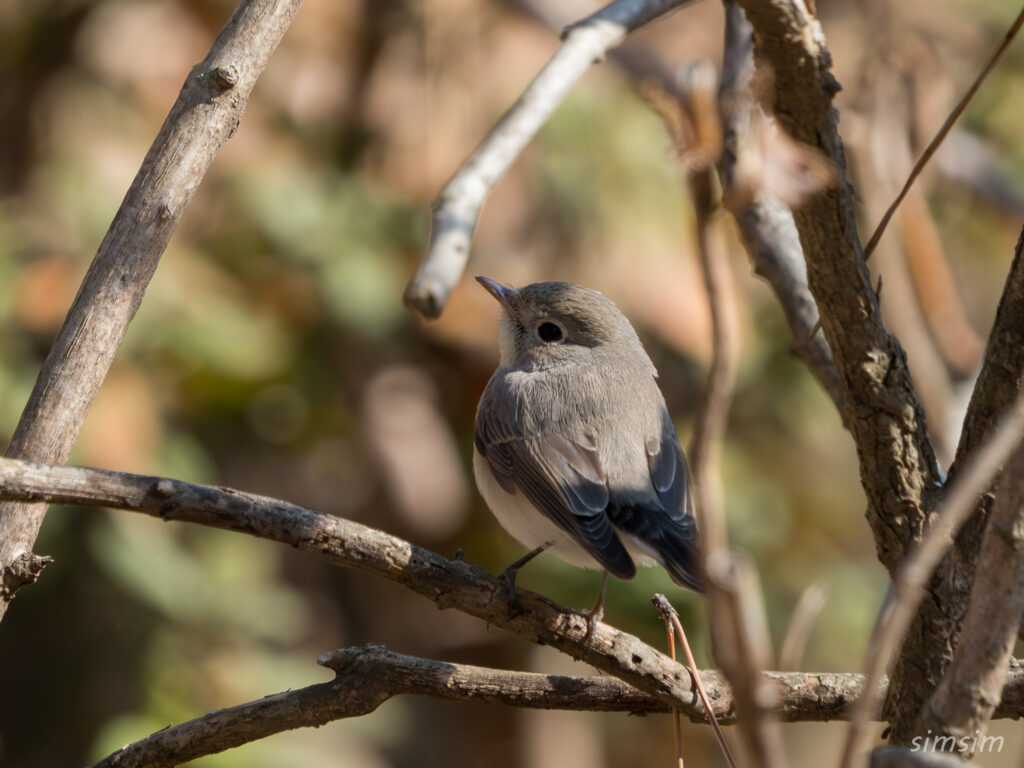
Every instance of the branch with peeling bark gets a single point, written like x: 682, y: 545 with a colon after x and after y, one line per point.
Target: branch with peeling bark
x: 205, y: 115
x: 457, y: 208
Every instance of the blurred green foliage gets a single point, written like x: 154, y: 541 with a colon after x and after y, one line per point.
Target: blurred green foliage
x: 272, y: 353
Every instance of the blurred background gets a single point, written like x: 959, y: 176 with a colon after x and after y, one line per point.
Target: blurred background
x: 272, y: 352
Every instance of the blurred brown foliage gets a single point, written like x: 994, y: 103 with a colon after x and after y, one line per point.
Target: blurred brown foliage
x: 272, y: 352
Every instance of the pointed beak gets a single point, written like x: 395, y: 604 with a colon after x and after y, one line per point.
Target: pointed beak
x: 503, y: 293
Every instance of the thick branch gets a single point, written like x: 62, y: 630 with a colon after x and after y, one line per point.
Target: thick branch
x: 366, y: 677
x: 205, y: 115
x: 897, y: 462
x: 457, y: 208
x: 974, y: 681
x: 1002, y: 370
x: 914, y: 574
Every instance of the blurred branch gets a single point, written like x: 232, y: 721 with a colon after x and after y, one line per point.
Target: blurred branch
x: 206, y: 113
x: 1002, y: 368
x: 973, y: 682
x: 944, y: 130
x: 913, y: 576
x: 457, y: 208
x: 801, y: 623
x: 743, y: 650
x: 766, y: 225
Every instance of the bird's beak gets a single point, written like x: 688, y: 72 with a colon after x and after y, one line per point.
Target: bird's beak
x: 503, y: 293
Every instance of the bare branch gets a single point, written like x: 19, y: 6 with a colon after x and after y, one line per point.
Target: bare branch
x: 206, y: 113
x: 368, y: 676
x: 973, y: 683
x: 766, y: 225
x: 448, y: 583
x: 743, y: 649
x: 457, y: 208
x: 800, y: 696
x: 898, y: 468
x: 911, y: 579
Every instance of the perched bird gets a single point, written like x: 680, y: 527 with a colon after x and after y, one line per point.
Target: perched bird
x: 574, y: 450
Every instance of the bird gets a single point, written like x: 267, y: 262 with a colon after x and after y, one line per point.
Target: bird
x: 574, y: 451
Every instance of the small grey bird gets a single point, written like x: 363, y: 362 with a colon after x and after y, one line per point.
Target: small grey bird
x: 574, y: 450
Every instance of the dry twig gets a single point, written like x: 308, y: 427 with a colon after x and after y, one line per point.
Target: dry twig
x: 457, y: 208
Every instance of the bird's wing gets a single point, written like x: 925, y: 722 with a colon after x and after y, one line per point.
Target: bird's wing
x: 667, y: 523
x: 562, y: 477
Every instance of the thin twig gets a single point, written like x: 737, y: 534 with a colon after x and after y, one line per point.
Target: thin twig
x: 670, y: 614
x: 913, y: 575
x: 744, y: 649
x: 944, y: 131
x: 677, y: 728
x: 457, y: 208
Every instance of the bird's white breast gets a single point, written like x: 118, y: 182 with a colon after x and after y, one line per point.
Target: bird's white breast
x: 523, y: 522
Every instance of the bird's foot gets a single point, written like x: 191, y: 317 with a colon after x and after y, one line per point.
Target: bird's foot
x: 593, y: 618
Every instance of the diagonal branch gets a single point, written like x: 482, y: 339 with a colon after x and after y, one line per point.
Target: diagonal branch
x: 457, y: 208
x: 205, y: 115
x: 914, y: 574
x: 448, y: 583
x: 765, y: 225
x: 973, y: 683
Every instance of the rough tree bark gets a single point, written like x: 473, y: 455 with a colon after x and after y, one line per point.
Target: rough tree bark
x: 898, y: 469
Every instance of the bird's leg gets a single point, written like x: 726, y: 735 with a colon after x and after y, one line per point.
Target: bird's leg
x: 594, y: 616
x: 508, y: 576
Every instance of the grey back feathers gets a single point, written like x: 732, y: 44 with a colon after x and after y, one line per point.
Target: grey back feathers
x: 573, y: 431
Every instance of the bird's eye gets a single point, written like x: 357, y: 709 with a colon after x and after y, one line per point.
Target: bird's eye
x: 549, y: 332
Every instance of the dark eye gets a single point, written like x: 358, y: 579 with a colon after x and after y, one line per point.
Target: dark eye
x: 549, y: 332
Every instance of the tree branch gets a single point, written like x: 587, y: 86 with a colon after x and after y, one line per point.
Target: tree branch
x: 913, y: 576
x: 457, y: 208
x: 448, y: 583
x: 766, y: 226
x: 898, y: 469
x: 368, y: 676
x: 206, y: 113
x: 656, y: 683
x: 973, y: 683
